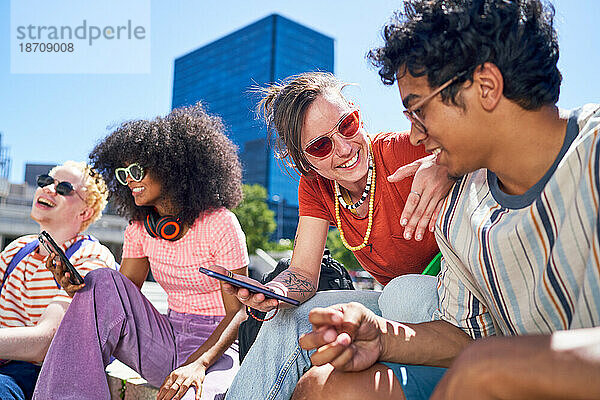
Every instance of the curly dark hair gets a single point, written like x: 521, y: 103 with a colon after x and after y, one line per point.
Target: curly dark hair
x: 444, y: 38
x: 186, y: 151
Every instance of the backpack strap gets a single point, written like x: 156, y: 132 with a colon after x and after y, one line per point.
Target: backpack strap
x: 31, y: 246
x: 77, y: 245
x: 21, y: 254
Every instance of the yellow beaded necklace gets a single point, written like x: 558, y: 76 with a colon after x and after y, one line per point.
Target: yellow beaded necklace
x: 370, y: 223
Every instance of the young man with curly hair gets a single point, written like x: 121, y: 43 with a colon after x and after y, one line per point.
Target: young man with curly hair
x: 519, y: 231
x: 176, y: 179
x: 32, y: 304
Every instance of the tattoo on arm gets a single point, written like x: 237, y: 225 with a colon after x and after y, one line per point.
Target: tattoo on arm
x: 297, y: 283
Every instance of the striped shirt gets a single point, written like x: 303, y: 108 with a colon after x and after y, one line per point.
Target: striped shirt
x: 534, y: 258
x: 215, y: 238
x: 31, y: 287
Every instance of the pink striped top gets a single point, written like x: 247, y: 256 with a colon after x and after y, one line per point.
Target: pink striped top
x: 215, y: 238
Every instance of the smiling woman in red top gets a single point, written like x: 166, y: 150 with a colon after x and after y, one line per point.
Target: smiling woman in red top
x: 345, y: 182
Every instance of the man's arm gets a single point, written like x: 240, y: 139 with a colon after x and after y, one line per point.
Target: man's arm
x: 31, y: 343
x: 563, y: 365
x: 352, y: 338
x: 434, y: 343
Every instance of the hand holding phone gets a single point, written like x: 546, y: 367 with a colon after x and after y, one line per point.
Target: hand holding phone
x: 53, y: 248
x: 250, y: 287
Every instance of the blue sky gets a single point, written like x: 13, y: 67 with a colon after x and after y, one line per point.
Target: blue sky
x: 50, y: 118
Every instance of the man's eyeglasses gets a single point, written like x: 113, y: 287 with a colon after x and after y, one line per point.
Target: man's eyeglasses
x: 412, y: 113
x: 63, y: 188
x: 347, y: 126
x: 135, y: 171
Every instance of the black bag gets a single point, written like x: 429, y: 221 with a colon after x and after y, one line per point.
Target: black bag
x: 334, y: 276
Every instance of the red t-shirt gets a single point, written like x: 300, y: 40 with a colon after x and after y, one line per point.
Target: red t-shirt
x: 387, y: 254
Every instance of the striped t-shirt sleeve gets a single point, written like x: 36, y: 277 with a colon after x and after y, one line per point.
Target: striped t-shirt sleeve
x: 461, y: 308
x: 458, y: 305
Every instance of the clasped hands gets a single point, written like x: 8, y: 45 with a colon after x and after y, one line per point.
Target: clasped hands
x: 347, y: 336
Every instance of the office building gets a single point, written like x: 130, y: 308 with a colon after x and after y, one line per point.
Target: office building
x: 33, y: 170
x: 222, y: 73
x: 5, y: 160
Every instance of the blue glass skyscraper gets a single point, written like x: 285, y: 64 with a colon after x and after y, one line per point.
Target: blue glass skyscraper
x: 222, y: 74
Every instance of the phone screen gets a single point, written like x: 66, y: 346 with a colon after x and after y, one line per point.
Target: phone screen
x: 249, y: 286
x: 51, y: 246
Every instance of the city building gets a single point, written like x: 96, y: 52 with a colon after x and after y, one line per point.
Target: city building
x: 222, y: 74
x: 33, y: 170
x: 5, y: 160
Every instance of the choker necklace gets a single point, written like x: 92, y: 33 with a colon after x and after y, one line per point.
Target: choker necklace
x: 371, y: 202
x: 365, y: 192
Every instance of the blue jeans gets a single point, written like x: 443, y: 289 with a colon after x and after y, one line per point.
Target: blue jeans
x: 276, y: 362
x: 17, y: 380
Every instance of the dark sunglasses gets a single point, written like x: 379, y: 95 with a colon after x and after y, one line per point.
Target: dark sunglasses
x: 135, y: 171
x: 347, y: 126
x: 63, y: 188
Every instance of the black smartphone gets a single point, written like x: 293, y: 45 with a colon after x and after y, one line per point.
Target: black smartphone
x: 51, y: 246
x: 249, y: 286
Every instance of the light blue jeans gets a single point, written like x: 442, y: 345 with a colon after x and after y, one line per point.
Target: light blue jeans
x: 276, y: 362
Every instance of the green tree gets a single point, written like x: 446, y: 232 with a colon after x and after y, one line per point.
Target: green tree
x: 340, y: 252
x: 257, y: 221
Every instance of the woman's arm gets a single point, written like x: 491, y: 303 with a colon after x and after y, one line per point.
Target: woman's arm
x: 192, y: 372
x: 301, y: 279
x: 135, y: 269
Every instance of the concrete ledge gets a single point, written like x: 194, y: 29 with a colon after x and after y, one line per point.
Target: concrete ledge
x: 156, y: 295
x: 125, y: 383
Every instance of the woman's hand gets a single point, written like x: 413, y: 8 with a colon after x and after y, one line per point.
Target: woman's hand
x: 180, y: 380
x: 427, y: 193
x: 193, y: 371
x: 62, y: 275
x: 254, y: 300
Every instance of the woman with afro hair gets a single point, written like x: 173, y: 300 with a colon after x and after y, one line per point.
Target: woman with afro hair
x: 175, y: 178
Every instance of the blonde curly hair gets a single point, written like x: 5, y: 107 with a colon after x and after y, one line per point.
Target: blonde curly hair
x: 96, y: 192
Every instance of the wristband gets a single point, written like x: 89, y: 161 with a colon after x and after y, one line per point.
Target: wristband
x: 249, y: 312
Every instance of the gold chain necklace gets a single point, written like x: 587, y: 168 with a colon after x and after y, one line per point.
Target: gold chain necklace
x: 370, y: 223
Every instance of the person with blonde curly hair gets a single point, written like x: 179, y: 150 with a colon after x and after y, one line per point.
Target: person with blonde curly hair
x: 93, y: 185
x: 32, y: 305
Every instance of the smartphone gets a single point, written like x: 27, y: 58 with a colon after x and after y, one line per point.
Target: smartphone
x: 249, y: 286
x: 51, y: 246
